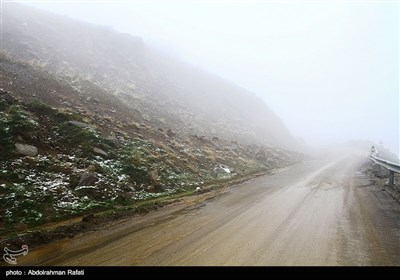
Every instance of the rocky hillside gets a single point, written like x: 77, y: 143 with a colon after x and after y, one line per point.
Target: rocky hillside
x: 167, y: 92
x: 92, y: 120
x: 66, y: 151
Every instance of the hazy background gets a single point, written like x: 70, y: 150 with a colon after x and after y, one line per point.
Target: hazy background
x: 330, y: 70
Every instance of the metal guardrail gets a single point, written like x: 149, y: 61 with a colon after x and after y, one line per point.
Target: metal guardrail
x: 391, y: 166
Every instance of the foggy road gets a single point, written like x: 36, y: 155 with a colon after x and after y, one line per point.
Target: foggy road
x: 322, y: 212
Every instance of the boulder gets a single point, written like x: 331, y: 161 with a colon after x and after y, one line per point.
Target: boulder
x: 223, y: 168
x: 87, y: 179
x: 68, y: 104
x: 100, y: 152
x: 76, y: 123
x: 91, y: 168
x: 4, y: 95
x: 26, y: 150
x: 170, y: 133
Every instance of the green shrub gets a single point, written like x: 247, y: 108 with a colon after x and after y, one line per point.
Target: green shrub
x: 138, y: 174
x: 72, y: 136
x: 14, y: 121
x: 41, y: 108
x: 20, y: 121
x: 6, y: 141
x: 3, y: 105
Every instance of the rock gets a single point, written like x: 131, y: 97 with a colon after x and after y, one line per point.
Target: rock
x: 68, y: 166
x: 170, y: 133
x: 76, y: 123
x: 68, y: 104
x: 26, y: 150
x: 96, y: 100
x: 222, y: 167
x: 88, y: 98
x: 91, y: 168
x: 128, y: 195
x: 198, y: 189
x: 107, y: 119
x: 260, y: 155
x: 88, y: 179
x: 4, y: 95
x: 88, y: 218
x: 215, y: 138
x: 100, y: 152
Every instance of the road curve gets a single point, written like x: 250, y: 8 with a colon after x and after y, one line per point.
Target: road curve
x: 323, y: 212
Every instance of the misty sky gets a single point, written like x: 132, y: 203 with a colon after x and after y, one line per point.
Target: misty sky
x: 329, y: 69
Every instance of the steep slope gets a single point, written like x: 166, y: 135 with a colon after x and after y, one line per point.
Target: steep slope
x: 92, y: 120
x: 166, y: 91
x: 76, y: 149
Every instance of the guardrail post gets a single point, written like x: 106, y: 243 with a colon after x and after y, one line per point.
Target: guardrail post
x: 391, y: 178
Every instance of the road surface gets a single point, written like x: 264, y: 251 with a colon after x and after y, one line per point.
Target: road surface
x: 322, y: 212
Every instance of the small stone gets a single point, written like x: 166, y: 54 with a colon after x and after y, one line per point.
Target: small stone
x: 100, y: 152
x: 91, y: 168
x: 26, y: 150
x: 76, y: 123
